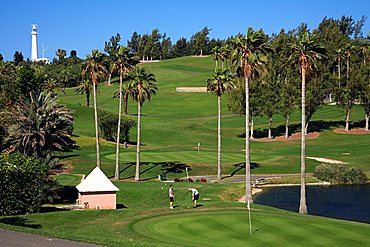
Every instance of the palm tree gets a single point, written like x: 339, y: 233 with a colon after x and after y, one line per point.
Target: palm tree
x: 41, y: 126
x: 251, y: 49
x: 305, y: 51
x: 85, y: 88
x: 122, y: 61
x: 143, y: 87
x: 216, y: 55
x: 219, y: 83
x: 94, y: 70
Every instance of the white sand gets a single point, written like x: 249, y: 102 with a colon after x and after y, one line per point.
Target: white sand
x: 325, y: 160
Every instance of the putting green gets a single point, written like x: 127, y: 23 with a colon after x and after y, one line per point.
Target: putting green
x: 230, y: 228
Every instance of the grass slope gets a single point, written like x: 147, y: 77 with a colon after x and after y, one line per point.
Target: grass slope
x: 173, y: 123
x: 144, y: 219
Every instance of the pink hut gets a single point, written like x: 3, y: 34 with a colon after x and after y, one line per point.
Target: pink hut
x: 97, y: 191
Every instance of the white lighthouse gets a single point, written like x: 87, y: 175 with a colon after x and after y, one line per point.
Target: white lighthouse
x: 34, y: 53
x: 34, y: 56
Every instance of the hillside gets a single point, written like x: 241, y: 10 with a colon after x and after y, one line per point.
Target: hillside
x: 173, y: 123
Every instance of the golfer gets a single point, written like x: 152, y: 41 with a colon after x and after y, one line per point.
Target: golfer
x: 171, y: 195
x: 194, y: 196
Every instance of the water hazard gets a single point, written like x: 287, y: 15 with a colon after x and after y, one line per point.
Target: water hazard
x: 350, y: 202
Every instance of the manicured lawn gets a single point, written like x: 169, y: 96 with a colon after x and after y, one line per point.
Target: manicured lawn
x: 230, y: 228
x: 144, y: 219
x: 173, y: 123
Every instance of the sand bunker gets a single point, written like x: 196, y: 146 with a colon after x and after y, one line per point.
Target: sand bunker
x: 325, y: 160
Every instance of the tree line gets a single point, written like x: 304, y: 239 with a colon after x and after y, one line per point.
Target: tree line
x: 290, y: 70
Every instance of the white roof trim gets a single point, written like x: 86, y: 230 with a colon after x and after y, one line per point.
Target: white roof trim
x: 96, y: 181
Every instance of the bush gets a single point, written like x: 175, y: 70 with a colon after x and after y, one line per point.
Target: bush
x: 23, y: 184
x: 340, y: 174
x: 108, y: 126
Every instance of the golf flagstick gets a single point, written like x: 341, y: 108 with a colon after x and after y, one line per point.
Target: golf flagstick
x: 249, y: 218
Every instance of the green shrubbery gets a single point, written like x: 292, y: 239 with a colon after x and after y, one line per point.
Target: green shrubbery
x: 23, y: 184
x: 108, y: 126
x: 340, y: 174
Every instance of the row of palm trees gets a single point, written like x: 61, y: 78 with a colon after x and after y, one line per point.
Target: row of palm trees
x: 140, y: 85
x: 249, y: 56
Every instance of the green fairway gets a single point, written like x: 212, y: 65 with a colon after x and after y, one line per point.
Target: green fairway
x: 173, y: 123
x: 230, y: 228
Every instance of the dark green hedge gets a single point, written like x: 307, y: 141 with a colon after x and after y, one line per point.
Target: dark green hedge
x: 23, y: 184
x: 340, y: 174
x: 108, y: 126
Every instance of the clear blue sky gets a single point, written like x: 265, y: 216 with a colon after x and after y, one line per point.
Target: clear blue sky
x: 84, y: 25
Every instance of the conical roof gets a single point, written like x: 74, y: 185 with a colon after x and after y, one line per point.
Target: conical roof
x: 96, y: 181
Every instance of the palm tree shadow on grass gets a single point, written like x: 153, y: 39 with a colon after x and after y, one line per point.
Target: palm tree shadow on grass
x: 18, y: 221
x: 241, y: 166
x: 167, y: 167
x: 313, y: 126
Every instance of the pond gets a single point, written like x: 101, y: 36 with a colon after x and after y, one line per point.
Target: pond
x: 349, y: 202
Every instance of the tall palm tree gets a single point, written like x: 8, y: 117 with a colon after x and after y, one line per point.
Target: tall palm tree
x: 251, y: 49
x: 85, y: 88
x: 93, y: 69
x: 306, y: 52
x: 143, y: 88
x: 219, y: 83
x: 122, y: 61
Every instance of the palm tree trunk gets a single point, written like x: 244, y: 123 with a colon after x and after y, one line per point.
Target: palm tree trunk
x: 347, y: 119
x: 219, y: 137
x: 137, y: 173
x: 222, y: 64
x: 287, y: 126
x: 347, y: 66
x: 116, y: 175
x: 302, y: 203
x: 125, y: 103
x: 216, y: 66
x: 248, y: 185
x: 87, y: 99
x: 270, y: 125
x: 109, y: 77
x: 367, y: 121
x: 252, y: 125
x: 96, y: 129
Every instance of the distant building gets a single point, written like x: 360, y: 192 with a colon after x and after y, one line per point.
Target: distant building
x: 34, y: 51
x: 96, y: 191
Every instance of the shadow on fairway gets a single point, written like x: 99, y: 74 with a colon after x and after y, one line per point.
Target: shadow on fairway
x: 18, y: 221
x: 167, y: 167
x: 239, y: 167
x: 313, y: 126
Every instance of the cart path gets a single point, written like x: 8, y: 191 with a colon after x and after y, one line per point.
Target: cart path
x: 241, y: 178
x: 21, y: 239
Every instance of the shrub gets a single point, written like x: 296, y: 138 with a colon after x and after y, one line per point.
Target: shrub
x: 108, y: 126
x: 340, y: 174
x: 23, y: 184
x: 177, y: 180
x: 203, y: 180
